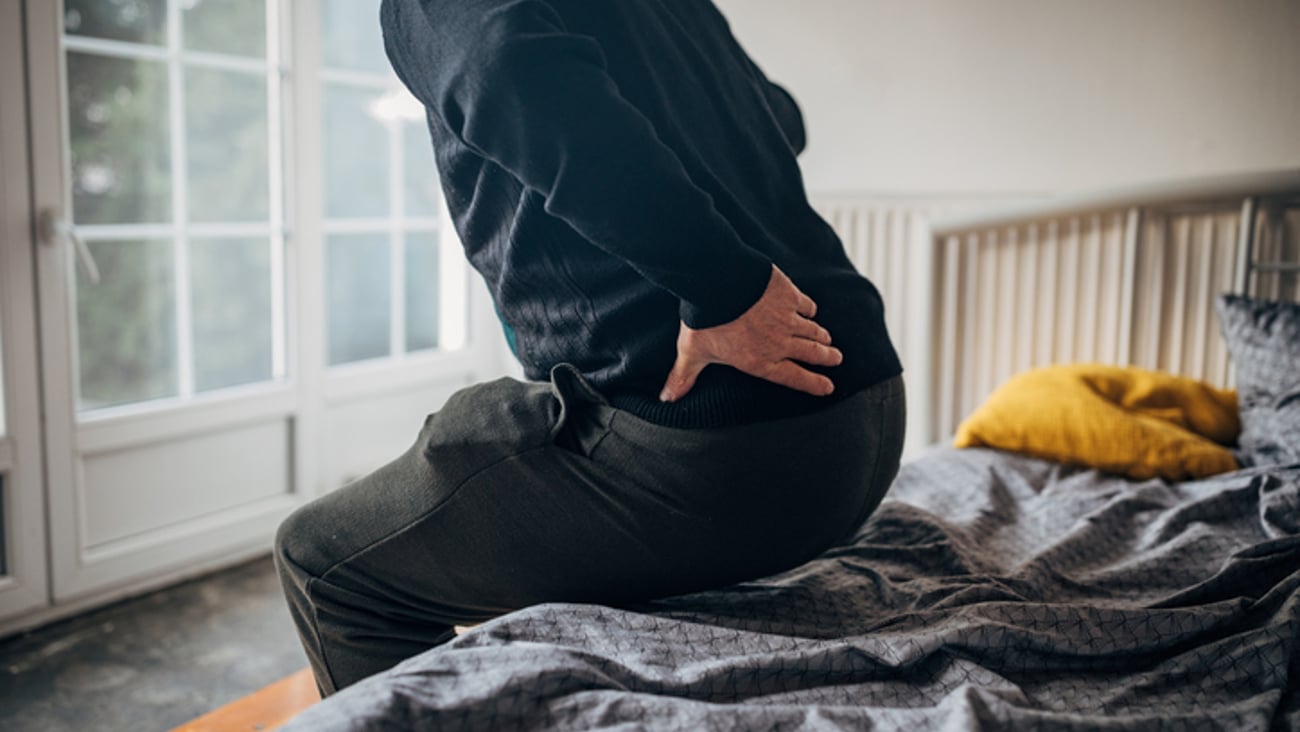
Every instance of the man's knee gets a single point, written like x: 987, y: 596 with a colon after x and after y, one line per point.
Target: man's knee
x: 301, y: 542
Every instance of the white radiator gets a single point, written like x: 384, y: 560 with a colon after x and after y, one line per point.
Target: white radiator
x: 1123, y: 277
x: 1277, y: 251
x: 883, y: 240
x: 888, y: 239
x: 1116, y: 287
x: 1131, y: 285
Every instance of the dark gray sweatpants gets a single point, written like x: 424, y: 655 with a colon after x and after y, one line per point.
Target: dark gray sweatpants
x: 515, y: 494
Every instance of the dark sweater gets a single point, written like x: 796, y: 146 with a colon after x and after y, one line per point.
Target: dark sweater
x: 615, y: 166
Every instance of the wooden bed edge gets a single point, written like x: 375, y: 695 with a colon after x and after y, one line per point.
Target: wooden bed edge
x: 266, y: 709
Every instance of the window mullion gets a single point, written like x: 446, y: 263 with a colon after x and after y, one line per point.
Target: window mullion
x: 276, y: 164
x: 114, y: 48
x: 180, y: 205
x: 397, y: 269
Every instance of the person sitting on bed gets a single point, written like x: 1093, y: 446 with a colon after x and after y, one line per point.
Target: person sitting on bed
x: 714, y: 395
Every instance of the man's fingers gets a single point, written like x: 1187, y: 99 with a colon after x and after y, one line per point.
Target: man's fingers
x: 804, y: 305
x: 805, y: 328
x: 802, y: 349
x: 681, y: 379
x: 791, y: 374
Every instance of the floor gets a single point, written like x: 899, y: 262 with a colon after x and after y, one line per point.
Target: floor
x: 154, y: 662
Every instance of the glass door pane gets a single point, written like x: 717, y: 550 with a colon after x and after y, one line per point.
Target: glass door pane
x: 232, y: 335
x: 421, y: 251
x: 235, y: 27
x: 120, y: 128
x: 126, y: 324
x: 350, y: 37
x: 134, y: 21
x: 227, y: 138
x: 382, y: 198
x: 175, y: 166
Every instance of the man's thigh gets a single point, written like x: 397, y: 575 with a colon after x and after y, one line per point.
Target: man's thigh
x: 478, y: 427
x: 497, y: 505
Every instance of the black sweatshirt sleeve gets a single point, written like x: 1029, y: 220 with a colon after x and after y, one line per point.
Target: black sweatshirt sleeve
x: 784, y: 108
x: 787, y: 115
x: 515, y: 86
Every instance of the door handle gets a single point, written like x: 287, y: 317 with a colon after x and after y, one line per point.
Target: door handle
x: 55, y: 228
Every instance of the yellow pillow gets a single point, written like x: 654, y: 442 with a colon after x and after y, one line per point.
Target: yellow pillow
x: 1131, y: 421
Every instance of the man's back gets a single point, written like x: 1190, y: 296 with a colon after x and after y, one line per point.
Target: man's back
x: 615, y: 167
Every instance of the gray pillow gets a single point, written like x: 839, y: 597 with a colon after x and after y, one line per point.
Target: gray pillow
x: 1263, y: 339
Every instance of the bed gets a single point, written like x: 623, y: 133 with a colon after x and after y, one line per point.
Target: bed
x: 990, y: 590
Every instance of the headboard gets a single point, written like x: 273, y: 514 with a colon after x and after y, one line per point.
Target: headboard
x: 1124, y: 276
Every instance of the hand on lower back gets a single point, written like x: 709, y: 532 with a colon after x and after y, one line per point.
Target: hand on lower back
x: 770, y: 340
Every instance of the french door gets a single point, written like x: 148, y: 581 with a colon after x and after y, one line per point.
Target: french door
x: 248, y: 289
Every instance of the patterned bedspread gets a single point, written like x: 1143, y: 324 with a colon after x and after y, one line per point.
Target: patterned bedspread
x: 989, y: 591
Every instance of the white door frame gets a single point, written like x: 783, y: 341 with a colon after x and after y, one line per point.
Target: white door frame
x: 24, y: 586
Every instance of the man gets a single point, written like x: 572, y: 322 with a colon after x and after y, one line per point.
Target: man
x: 724, y: 401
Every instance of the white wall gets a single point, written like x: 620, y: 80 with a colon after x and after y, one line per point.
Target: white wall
x: 1011, y: 96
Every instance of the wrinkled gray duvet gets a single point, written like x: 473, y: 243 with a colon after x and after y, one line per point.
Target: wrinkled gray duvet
x: 988, y: 592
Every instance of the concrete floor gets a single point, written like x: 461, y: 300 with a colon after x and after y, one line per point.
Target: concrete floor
x: 153, y: 662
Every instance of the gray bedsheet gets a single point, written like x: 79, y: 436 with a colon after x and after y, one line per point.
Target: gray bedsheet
x: 989, y: 591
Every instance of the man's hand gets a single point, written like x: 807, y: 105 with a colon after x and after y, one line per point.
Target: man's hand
x: 769, y: 341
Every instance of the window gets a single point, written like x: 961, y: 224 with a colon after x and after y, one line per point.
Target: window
x: 176, y: 141
x: 381, y: 228
x: 175, y: 170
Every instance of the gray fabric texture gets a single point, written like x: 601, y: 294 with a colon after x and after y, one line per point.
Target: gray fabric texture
x: 1263, y: 339
x: 988, y: 591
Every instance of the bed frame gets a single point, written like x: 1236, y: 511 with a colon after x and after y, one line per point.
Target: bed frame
x: 1127, y: 276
